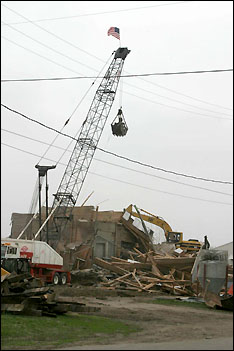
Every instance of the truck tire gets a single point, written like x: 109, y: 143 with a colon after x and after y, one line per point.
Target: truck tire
x: 63, y: 278
x: 56, y: 279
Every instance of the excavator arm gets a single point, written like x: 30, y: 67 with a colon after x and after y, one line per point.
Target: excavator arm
x: 158, y: 221
x: 171, y: 236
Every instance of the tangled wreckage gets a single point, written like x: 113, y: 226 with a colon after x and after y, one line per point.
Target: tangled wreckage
x: 109, y: 251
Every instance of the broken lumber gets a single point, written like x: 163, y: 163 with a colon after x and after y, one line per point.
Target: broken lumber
x: 107, y: 265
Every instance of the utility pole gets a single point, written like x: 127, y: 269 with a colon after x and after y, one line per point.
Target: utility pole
x: 42, y: 171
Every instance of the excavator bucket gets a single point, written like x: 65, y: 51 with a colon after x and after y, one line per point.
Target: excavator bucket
x: 119, y: 128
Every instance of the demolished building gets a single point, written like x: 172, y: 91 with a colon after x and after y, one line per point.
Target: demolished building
x: 89, y: 233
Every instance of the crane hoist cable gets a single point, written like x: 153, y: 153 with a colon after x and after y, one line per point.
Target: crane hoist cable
x: 76, y: 109
x: 120, y: 127
x: 85, y: 147
x: 68, y: 120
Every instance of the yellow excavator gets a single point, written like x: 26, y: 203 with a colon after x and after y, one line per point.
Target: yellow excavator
x: 191, y: 245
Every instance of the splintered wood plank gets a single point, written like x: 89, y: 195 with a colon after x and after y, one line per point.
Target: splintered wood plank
x: 119, y: 279
x: 148, y: 286
x: 131, y: 284
x: 114, y: 259
x: 177, y: 290
x: 131, y: 266
x: 139, y: 252
x: 138, y: 281
x: 155, y: 269
x: 13, y: 277
x: 68, y: 300
x: 109, y: 266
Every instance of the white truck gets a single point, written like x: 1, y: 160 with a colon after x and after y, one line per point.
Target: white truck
x: 36, y: 257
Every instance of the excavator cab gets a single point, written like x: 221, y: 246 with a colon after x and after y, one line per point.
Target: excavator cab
x: 174, y: 237
x: 119, y: 128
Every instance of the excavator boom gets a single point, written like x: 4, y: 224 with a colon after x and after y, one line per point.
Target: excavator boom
x: 160, y: 222
x: 171, y: 236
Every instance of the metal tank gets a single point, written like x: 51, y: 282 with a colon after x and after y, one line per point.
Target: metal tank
x: 211, y: 270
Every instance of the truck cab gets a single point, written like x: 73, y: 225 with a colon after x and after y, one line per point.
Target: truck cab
x: 11, y: 260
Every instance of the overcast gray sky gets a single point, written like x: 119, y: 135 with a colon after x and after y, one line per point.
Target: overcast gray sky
x: 181, y: 123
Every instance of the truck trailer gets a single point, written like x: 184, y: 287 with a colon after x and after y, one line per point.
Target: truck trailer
x: 36, y: 257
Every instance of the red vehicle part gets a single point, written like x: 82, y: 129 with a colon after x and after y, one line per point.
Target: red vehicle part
x: 230, y: 291
x: 51, y: 275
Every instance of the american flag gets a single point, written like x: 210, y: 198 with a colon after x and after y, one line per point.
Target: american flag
x: 114, y: 31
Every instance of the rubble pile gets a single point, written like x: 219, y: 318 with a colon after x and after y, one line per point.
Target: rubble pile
x: 151, y: 272
x: 24, y: 294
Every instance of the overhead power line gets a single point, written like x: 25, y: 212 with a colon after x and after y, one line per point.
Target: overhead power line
x: 140, y: 97
x: 53, y: 34
x: 178, y: 108
x: 128, y: 183
x: 99, y: 13
x: 123, y: 75
x: 185, y: 95
x: 84, y: 51
x: 50, y: 48
x: 119, y: 166
x: 116, y: 155
x: 96, y: 77
x: 44, y: 57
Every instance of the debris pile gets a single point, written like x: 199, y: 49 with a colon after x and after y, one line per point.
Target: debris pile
x: 151, y: 272
x: 24, y: 294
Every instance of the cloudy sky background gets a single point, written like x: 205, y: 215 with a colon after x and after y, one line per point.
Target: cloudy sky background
x: 181, y: 123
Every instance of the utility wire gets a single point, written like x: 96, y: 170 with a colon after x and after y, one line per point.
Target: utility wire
x: 116, y: 165
x: 140, y: 97
x: 68, y: 120
x: 63, y: 67
x: 44, y: 57
x: 178, y: 108
x: 76, y: 47
x: 53, y: 34
x: 116, y: 155
x: 50, y: 48
x: 128, y: 183
x: 123, y: 75
x: 178, y: 101
x: 100, y: 13
x: 76, y: 110
x: 96, y: 77
x: 185, y: 95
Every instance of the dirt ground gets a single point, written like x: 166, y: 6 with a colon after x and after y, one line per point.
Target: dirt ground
x: 159, y: 323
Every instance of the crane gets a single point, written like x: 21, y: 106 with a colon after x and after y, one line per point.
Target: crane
x: 85, y: 147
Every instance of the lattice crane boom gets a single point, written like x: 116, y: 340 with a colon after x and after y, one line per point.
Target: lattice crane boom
x: 85, y: 147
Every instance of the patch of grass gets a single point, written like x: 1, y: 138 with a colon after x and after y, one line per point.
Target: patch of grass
x: 18, y: 331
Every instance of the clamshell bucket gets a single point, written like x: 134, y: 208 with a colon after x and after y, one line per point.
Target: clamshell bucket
x: 119, y: 128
